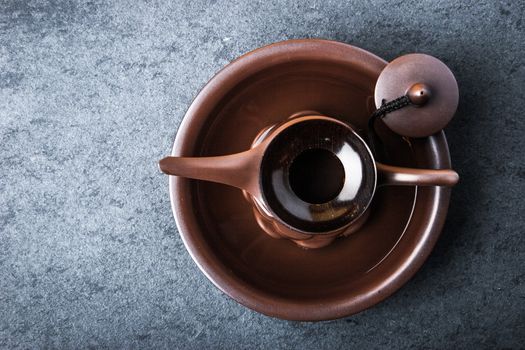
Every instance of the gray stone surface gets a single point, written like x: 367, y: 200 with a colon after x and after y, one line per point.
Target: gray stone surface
x: 91, y: 95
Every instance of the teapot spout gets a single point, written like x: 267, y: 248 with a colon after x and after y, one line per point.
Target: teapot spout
x: 239, y: 170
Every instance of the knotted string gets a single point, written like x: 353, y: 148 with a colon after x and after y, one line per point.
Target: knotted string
x: 386, y: 107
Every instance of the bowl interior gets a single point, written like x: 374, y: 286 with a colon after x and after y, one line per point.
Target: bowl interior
x: 279, y: 266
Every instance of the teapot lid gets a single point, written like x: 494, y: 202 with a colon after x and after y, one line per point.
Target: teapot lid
x: 431, y: 88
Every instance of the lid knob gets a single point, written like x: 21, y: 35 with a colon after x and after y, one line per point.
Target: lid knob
x: 419, y: 94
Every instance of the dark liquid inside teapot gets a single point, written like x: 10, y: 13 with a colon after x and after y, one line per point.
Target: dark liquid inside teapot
x: 316, y: 176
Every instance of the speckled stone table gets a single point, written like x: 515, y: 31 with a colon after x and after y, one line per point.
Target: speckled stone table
x: 91, y: 95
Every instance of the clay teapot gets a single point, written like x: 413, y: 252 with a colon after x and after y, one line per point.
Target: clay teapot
x: 310, y: 178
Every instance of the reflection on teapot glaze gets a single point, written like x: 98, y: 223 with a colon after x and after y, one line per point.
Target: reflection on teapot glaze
x: 353, y: 166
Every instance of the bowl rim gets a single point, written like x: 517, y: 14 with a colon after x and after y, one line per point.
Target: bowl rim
x: 187, y: 223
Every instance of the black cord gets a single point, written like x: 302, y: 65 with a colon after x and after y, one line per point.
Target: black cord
x: 376, y: 146
x: 394, y: 105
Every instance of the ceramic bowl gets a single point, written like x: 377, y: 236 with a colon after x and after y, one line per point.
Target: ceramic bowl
x: 276, y: 277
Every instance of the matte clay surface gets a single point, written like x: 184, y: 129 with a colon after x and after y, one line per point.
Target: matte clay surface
x: 90, y: 256
x: 430, y: 86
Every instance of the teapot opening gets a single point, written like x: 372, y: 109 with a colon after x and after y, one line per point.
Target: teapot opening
x: 316, y: 175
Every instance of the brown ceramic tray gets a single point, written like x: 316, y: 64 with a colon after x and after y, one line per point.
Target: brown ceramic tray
x: 276, y: 277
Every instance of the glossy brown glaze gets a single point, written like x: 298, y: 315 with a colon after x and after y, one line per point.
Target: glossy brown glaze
x: 218, y: 227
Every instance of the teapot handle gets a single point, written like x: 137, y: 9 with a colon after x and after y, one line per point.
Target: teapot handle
x: 393, y: 175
